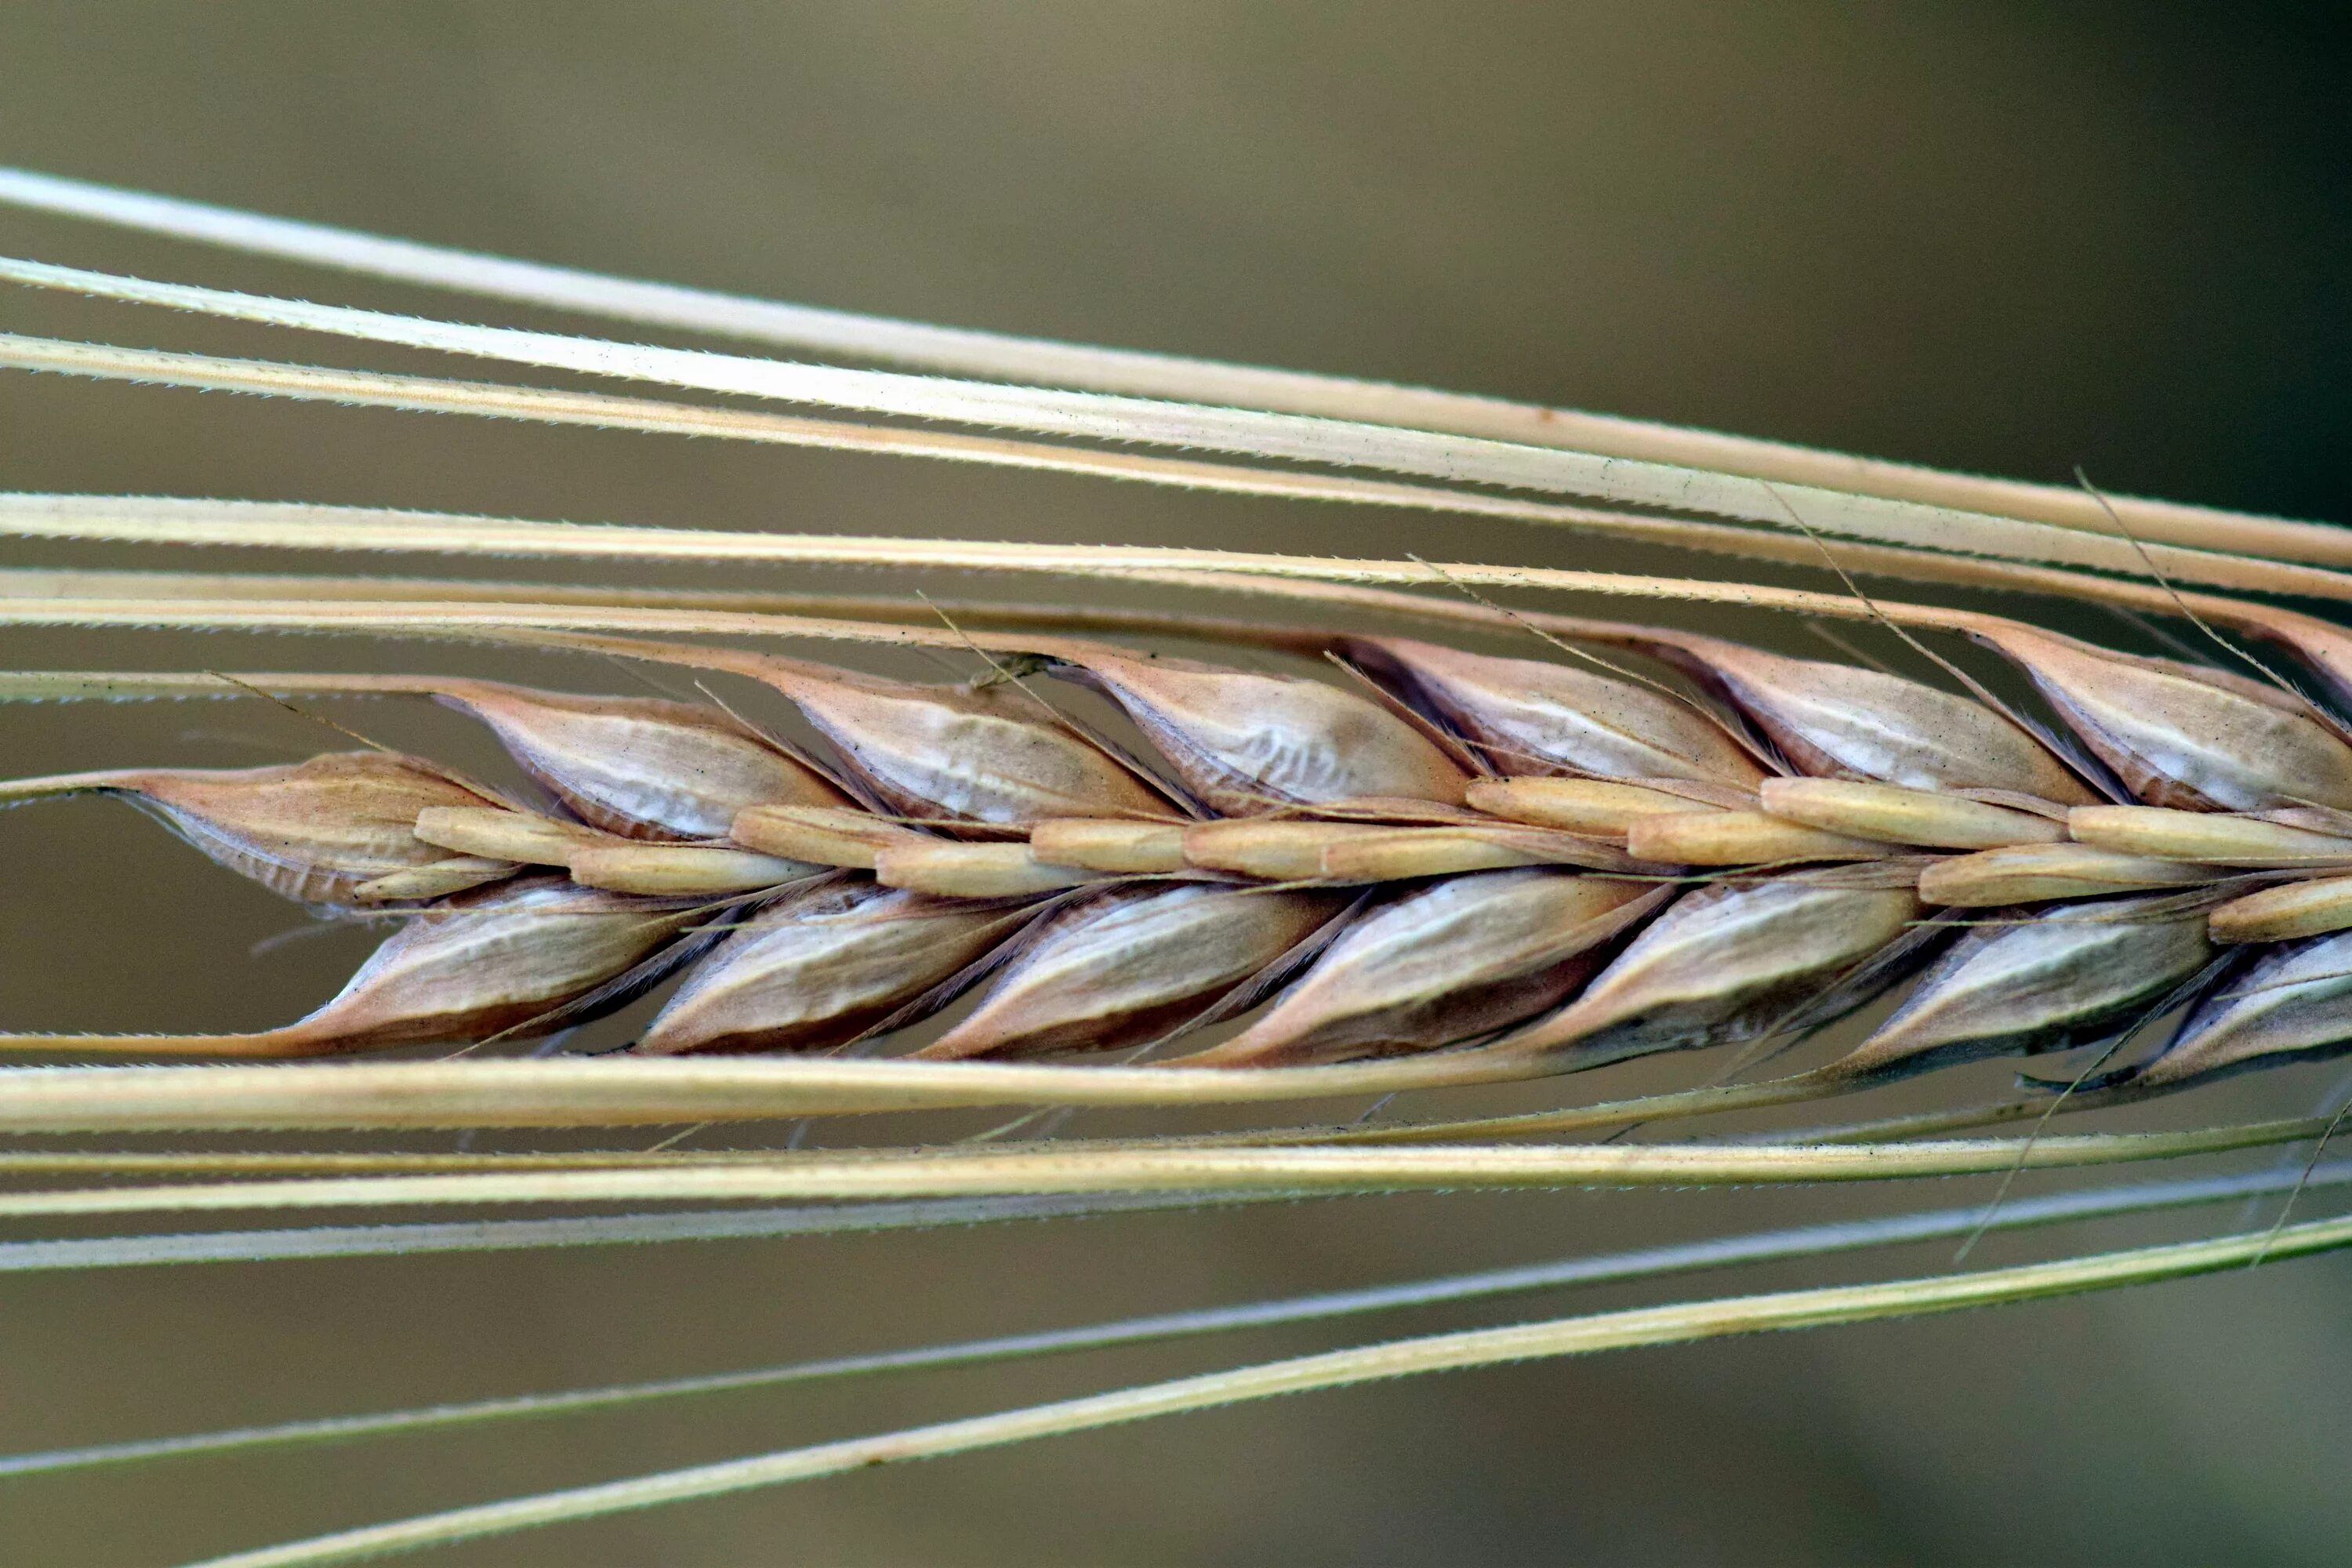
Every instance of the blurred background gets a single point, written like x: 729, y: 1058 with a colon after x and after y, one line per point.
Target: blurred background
x: 2001, y: 238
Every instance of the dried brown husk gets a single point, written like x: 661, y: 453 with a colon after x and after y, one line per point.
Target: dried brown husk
x: 1531, y: 716
x: 1837, y: 721
x: 1739, y: 961
x: 641, y: 767
x: 1129, y: 964
x: 519, y: 960
x: 2289, y: 1004
x: 315, y: 831
x: 1245, y: 743
x: 825, y: 965
x: 2043, y: 981
x: 1448, y: 963
x: 986, y: 754
x: 2179, y: 736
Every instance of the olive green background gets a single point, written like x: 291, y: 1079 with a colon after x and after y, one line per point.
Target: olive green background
x: 2004, y: 237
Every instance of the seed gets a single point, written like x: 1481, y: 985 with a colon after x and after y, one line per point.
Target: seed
x: 1893, y: 815
x: 1531, y: 716
x: 315, y: 831
x: 2176, y: 739
x: 435, y: 879
x: 1598, y: 806
x: 2288, y: 1004
x: 1726, y: 964
x: 2045, y: 983
x: 1107, y: 844
x: 2299, y: 909
x: 1391, y: 854
x: 640, y: 767
x: 972, y: 870
x: 2034, y: 873
x: 1127, y: 965
x: 672, y: 871
x: 823, y: 836
x: 2215, y: 838
x: 499, y: 834
x: 819, y: 966
x: 1247, y: 743
x: 1286, y: 851
x: 1449, y: 963
x: 959, y: 753
x: 1739, y: 838
x: 1834, y: 720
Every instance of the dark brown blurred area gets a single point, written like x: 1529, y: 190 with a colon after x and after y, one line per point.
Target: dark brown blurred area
x: 1999, y: 237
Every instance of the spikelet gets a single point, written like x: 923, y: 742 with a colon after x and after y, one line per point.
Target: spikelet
x: 2288, y: 1004
x: 820, y: 966
x: 961, y: 754
x: 2185, y: 737
x: 1529, y: 717
x: 1245, y: 743
x: 327, y: 831
x: 2042, y: 983
x: 640, y: 767
x: 1735, y: 962
x: 1834, y: 720
x: 1449, y: 963
x: 515, y: 960
x: 1127, y: 965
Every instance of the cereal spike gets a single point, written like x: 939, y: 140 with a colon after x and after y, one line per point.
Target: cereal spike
x: 2288, y: 1006
x: 1247, y: 743
x: 1835, y: 721
x: 2184, y: 740
x: 1726, y: 964
x: 821, y: 966
x: 1449, y: 963
x: 1129, y: 964
x: 640, y: 767
x: 316, y: 831
x: 1532, y: 717
x: 986, y: 754
x: 2047, y: 982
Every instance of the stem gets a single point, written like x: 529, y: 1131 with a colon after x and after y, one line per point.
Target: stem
x: 1117, y: 419
x: 860, y: 1175
x: 1000, y: 357
x: 1646, y: 1263
x: 1681, y: 1323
